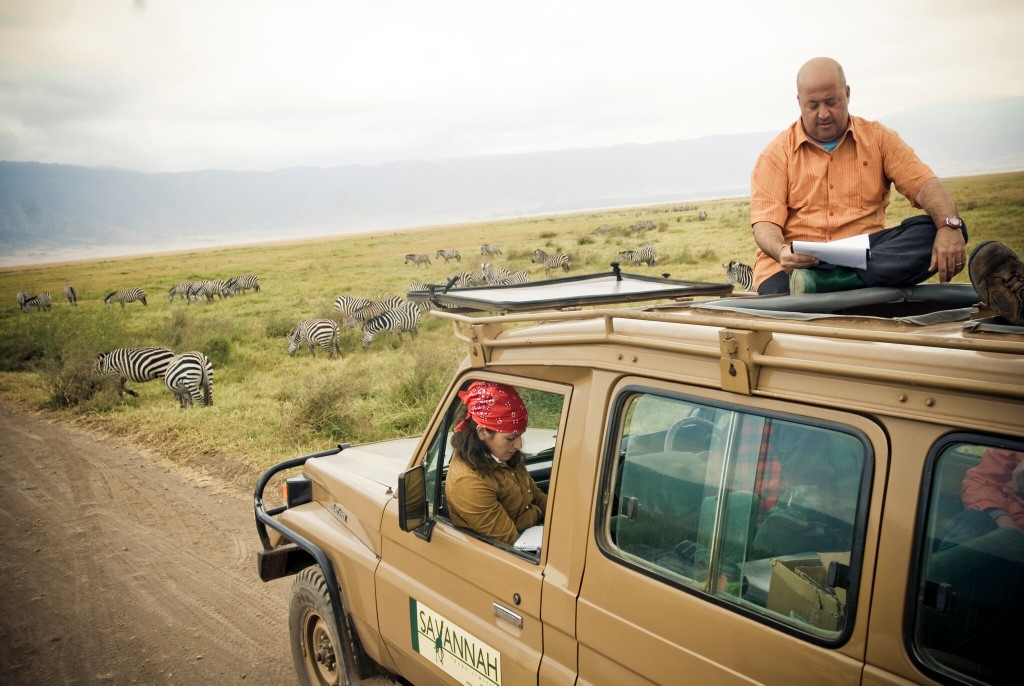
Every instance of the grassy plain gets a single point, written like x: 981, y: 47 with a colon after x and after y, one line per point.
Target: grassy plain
x: 269, y: 406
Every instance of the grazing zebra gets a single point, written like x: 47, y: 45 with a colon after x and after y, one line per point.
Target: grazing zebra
x: 243, y: 283
x: 41, y: 301
x: 405, y: 317
x: 493, y: 275
x: 452, y: 254
x: 515, y: 279
x: 645, y: 225
x: 372, y: 309
x: 312, y: 332
x: 556, y: 261
x: 208, y: 288
x: 189, y: 377
x: 71, y: 294
x: 647, y: 254
x: 182, y: 290
x: 348, y: 305
x: 133, y: 364
x: 604, y: 228
x: 702, y: 215
x: 740, y: 274
x: 490, y: 249
x: 423, y: 258
x: 126, y: 295
x: 21, y: 298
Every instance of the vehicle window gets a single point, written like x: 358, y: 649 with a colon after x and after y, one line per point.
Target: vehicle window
x: 969, y: 595
x: 545, y: 411
x: 751, y: 509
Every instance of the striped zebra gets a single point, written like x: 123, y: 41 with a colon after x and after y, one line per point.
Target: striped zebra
x: 181, y: 290
x: 702, y: 215
x: 348, y: 305
x: 645, y: 225
x: 493, y: 275
x: 71, y: 294
x: 451, y: 254
x: 647, y: 254
x: 515, y: 279
x: 490, y: 249
x: 41, y: 301
x: 549, y: 262
x: 21, y: 298
x: 133, y: 364
x: 372, y: 309
x: 243, y: 283
x: 126, y: 295
x: 313, y: 332
x: 422, y: 258
x: 740, y: 274
x: 189, y: 377
x: 208, y: 288
x: 401, y: 319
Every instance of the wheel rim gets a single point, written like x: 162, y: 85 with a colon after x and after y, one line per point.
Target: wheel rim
x: 321, y: 657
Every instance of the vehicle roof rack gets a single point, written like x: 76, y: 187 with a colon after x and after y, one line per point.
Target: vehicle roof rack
x: 607, y: 288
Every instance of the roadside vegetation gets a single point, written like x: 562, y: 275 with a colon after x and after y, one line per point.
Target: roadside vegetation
x: 269, y: 406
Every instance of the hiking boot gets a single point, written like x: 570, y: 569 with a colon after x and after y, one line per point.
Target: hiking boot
x: 998, y: 276
x: 824, y: 280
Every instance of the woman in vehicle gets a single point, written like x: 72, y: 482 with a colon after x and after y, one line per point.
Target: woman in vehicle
x: 488, y: 488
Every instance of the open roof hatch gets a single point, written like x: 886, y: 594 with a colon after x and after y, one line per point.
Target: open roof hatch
x: 571, y: 291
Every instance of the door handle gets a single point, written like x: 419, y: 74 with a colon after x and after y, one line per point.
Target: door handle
x: 508, y: 615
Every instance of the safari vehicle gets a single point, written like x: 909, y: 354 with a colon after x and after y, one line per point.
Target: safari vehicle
x: 740, y: 490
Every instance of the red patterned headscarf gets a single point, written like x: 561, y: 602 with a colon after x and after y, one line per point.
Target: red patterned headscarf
x: 494, y: 406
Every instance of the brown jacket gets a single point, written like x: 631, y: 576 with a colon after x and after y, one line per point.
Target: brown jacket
x: 501, y: 504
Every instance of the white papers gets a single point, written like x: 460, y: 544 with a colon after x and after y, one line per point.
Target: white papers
x: 846, y: 252
x: 530, y: 539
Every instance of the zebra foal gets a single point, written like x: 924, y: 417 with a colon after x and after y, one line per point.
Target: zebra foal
x: 189, y: 377
x: 740, y: 274
x: 313, y: 332
x: 133, y: 364
x: 126, y: 295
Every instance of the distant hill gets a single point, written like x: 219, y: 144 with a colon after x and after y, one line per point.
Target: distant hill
x: 46, y: 206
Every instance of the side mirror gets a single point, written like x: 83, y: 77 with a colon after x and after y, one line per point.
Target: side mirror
x: 412, y: 499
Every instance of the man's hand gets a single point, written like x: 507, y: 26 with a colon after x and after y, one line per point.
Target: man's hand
x: 949, y: 254
x: 790, y: 260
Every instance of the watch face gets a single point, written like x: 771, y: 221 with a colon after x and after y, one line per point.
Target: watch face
x: 954, y: 222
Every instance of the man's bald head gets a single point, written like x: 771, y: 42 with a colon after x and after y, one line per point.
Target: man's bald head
x: 824, y: 99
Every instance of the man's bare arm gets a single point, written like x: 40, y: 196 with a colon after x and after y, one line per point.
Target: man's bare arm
x: 949, y: 252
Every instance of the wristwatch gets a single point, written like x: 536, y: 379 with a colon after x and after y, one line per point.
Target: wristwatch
x: 952, y: 222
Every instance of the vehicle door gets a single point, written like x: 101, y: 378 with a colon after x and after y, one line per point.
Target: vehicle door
x: 459, y: 607
x: 732, y: 544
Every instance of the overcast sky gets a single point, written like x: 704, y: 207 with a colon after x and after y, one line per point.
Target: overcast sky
x: 177, y: 85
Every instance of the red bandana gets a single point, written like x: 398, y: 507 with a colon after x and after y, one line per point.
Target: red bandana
x: 494, y: 406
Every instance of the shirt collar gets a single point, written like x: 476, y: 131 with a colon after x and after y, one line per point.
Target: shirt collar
x: 801, y: 136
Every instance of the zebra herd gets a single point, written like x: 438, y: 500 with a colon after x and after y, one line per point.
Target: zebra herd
x: 188, y: 376
x: 208, y: 289
x: 390, y: 315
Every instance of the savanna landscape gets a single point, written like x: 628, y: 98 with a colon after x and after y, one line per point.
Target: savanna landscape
x: 269, y: 406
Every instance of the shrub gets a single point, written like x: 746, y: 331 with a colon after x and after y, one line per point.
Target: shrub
x: 218, y: 349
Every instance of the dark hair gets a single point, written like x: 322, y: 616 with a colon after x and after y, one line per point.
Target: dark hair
x: 471, y: 449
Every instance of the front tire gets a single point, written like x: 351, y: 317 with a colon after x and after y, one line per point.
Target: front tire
x: 316, y: 650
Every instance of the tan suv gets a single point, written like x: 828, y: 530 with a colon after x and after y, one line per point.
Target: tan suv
x: 740, y: 490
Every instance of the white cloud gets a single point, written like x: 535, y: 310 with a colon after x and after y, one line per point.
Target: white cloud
x: 185, y: 84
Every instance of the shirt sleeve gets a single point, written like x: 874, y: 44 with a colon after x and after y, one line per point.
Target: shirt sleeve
x: 983, y: 484
x: 769, y: 187
x: 902, y: 165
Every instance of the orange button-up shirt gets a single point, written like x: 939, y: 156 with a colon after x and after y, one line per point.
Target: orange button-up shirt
x: 819, y: 196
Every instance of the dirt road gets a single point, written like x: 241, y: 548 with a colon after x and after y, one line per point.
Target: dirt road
x: 119, y: 567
